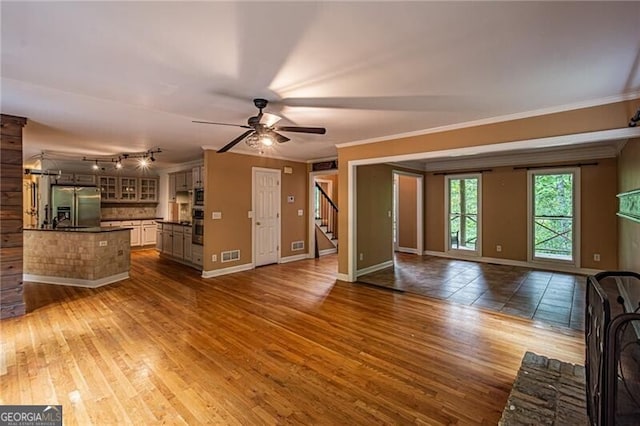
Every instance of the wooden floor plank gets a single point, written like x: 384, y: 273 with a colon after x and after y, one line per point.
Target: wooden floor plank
x: 279, y: 344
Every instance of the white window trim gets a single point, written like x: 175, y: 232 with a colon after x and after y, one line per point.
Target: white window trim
x: 576, y: 217
x: 447, y: 233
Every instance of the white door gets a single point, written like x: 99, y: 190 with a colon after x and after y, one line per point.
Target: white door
x: 266, y: 187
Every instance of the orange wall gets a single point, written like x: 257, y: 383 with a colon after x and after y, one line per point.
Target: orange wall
x: 407, y: 211
x: 228, y: 190
x: 629, y: 231
x: 374, y: 233
x: 603, y: 117
x: 504, y: 213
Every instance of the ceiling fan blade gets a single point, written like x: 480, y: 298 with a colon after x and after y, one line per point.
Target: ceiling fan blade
x: 269, y: 119
x: 316, y: 130
x: 222, y: 124
x: 388, y: 103
x: 234, y: 142
x: 278, y: 137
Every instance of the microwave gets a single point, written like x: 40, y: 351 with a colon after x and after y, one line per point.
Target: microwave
x: 198, y: 197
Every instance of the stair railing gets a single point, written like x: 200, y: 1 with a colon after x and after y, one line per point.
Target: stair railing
x: 326, y: 211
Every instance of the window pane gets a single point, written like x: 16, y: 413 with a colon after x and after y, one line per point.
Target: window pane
x: 553, y: 216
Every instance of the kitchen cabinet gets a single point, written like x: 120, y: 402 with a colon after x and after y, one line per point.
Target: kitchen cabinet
x: 108, y: 188
x: 178, y: 241
x: 196, y: 254
x: 198, y: 177
x: 84, y: 179
x: 128, y: 189
x: 159, y: 237
x: 181, y: 181
x: 148, y: 189
x: 122, y: 189
x: 186, y: 243
x: 149, y: 229
x: 177, y: 244
x: 136, y: 230
x: 172, y: 187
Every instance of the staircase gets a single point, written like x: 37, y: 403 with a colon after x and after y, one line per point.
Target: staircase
x: 326, y: 217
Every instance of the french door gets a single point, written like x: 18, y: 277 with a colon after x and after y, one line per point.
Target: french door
x: 463, y: 224
x: 554, y: 215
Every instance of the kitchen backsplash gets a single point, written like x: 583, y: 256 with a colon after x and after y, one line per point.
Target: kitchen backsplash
x: 131, y: 212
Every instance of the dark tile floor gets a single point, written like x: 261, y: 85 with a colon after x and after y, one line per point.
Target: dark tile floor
x: 550, y: 297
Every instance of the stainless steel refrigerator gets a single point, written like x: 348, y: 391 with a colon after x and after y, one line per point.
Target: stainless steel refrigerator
x: 75, y: 206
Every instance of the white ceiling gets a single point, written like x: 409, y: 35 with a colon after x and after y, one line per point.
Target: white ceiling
x: 103, y: 78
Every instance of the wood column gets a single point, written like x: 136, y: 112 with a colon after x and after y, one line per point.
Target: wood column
x: 11, y: 299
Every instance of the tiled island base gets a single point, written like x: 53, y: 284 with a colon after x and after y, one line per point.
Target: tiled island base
x: 89, y: 257
x: 547, y: 392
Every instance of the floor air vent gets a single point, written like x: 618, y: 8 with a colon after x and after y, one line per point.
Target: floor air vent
x: 297, y: 245
x: 230, y: 256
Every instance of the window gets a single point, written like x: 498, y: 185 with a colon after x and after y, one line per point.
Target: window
x: 553, y: 215
x: 463, y: 213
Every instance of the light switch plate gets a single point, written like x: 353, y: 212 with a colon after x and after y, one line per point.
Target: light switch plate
x: 216, y: 215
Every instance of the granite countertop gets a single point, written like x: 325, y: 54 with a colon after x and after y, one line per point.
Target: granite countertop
x: 126, y: 219
x: 173, y: 222
x: 92, y: 230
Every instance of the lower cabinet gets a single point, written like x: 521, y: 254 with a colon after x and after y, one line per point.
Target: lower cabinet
x: 177, y: 243
x: 143, y: 232
x: 149, y: 229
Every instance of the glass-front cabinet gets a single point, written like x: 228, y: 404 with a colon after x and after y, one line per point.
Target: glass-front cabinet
x: 128, y: 189
x: 148, y: 189
x: 109, y: 188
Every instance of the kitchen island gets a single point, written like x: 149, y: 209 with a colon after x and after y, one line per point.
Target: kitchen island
x: 84, y: 257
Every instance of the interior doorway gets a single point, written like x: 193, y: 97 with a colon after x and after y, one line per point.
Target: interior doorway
x: 323, y: 213
x: 408, y: 212
x: 266, y: 216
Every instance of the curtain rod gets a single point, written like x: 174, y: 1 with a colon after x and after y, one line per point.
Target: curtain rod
x: 554, y: 166
x: 464, y: 172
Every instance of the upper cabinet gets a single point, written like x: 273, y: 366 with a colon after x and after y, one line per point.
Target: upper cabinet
x: 198, y: 177
x: 148, y: 190
x: 182, y: 182
x: 121, y: 189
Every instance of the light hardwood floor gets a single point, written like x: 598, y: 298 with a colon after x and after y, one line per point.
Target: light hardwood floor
x: 280, y: 344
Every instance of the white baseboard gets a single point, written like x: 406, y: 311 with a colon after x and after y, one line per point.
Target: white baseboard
x: 75, y: 282
x: 408, y: 250
x: 328, y: 251
x: 343, y: 277
x: 226, y: 271
x: 293, y: 258
x: 374, y: 268
x: 521, y: 263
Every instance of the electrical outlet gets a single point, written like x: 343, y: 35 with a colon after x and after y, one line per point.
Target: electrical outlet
x: 498, y: 248
x: 214, y: 258
x: 300, y: 212
x: 361, y: 256
x: 103, y: 243
x: 596, y: 257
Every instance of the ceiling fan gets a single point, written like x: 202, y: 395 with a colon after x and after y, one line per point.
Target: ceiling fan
x: 262, y: 130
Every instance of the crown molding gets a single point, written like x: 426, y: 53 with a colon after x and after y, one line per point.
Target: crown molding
x: 499, y: 119
x: 527, y: 144
x: 527, y: 158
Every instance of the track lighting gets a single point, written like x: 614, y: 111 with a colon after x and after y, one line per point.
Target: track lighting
x: 145, y: 159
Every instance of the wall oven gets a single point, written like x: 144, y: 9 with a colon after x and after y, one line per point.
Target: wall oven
x: 197, y: 224
x: 198, y: 197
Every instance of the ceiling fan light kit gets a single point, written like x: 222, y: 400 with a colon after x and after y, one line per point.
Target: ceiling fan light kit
x: 263, y: 133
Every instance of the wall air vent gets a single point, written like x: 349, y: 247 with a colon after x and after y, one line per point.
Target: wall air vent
x: 230, y: 256
x: 297, y: 245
